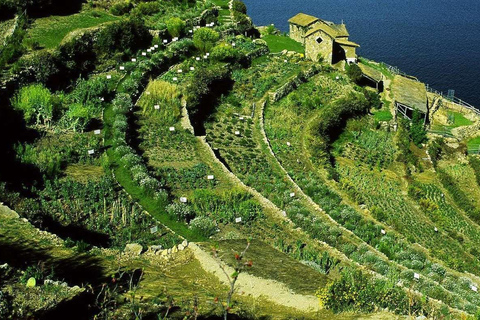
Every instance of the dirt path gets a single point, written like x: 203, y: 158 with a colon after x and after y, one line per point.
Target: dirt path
x: 258, y: 287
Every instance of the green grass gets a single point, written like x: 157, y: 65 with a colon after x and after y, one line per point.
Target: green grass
x: 50, y: 31
x: 280, y: 43
x: 474, y: 145
x: 383, y: 115
x: 459, y: 120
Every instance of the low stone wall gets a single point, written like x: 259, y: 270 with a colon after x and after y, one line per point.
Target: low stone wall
x: 292, y: 84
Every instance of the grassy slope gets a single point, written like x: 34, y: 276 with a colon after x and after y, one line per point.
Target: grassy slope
x: 272, y: 264
x: 280, y: 43
x: 50, y: 31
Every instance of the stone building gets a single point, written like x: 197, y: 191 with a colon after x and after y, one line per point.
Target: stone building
x: 323, y: 39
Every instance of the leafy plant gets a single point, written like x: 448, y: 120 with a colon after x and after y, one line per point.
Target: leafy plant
x: 35, y: 101
x: 175, y: 26
x: 204, y: 39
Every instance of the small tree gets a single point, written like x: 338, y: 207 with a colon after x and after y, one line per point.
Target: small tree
x: 204, y: 39
x: 355, y: 73
x: 239, y: 6
x: 239, y: 267
x: 418, y: 133
x: 35, y: 101
x: 175, y: 26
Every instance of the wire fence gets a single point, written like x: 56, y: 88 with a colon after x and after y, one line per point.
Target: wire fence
x: 451, y: 98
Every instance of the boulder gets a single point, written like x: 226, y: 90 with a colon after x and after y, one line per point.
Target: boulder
x: 133, y: 248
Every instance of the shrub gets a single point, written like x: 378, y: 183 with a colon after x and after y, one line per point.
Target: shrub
x: 180, y: 211
x: 122, y: 103
x: 175, y: 26
x: 224, y: 52
x: 204, y: 39
x: 356, y: 291
x: 35, y: 101
x: 239, y: 6
x: 122, y: 36
x: 355, y: 73
x: 418, y: 133
x: 121, y: 8
x: 204, y: 226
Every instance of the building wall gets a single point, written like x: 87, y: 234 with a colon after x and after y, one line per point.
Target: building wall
x: 313, y: 49
x: 350, y: 54
x: 297, y: 33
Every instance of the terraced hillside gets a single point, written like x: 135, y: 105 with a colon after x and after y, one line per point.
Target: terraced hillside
x: 161, y: 163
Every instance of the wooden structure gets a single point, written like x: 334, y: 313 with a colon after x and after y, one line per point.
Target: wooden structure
x: 323, y: 39
x: 371, y: 76
x: 409, y: 95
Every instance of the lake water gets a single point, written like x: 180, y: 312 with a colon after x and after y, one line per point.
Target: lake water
x: 437, y: 41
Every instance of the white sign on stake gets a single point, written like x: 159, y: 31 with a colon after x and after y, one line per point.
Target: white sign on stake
x: 192, y: 68
x: 165, y: 41
x: 157, y: 107
x: 90, y: 152
x: 109, y: 77
x: 474, y: 288
x: 416, y: 276
x: 205, y: 57
x: 175, y: 39
x: 122, y: 68
x: 288, y: 144
x: 233, y: 44
x: 171, y: 129
x: 175, y: 78
x: 149, y: 50
x: 154, y: 229
x: 156, y: 46
x: 197, y: 58
x: 383, y: 231
x: 241, y: 118
x: 292, y: 194
x: 147, y: 93
x: 212, y: 24
x: 285, y: 61
x: 98, y: 131
x: 134, y: 60
x: 180, y: 71
x: 191, y: 31
x: 237, y: 133
x: 238, y: 220
x: 210, y: 177
x: 207, y: 54
x: 183, y: 200
x: 144, y: 53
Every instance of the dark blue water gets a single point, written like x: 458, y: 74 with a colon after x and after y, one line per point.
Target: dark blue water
x: 437, y: 41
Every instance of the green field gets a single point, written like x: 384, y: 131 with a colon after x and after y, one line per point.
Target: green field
x: 48, y: 32
x: 474, y: 145
x: 384, y: 115
x: 280, y: 43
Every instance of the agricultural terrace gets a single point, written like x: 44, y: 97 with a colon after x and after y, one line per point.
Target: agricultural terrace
x: 367, y: 153
x: 150, y: 135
